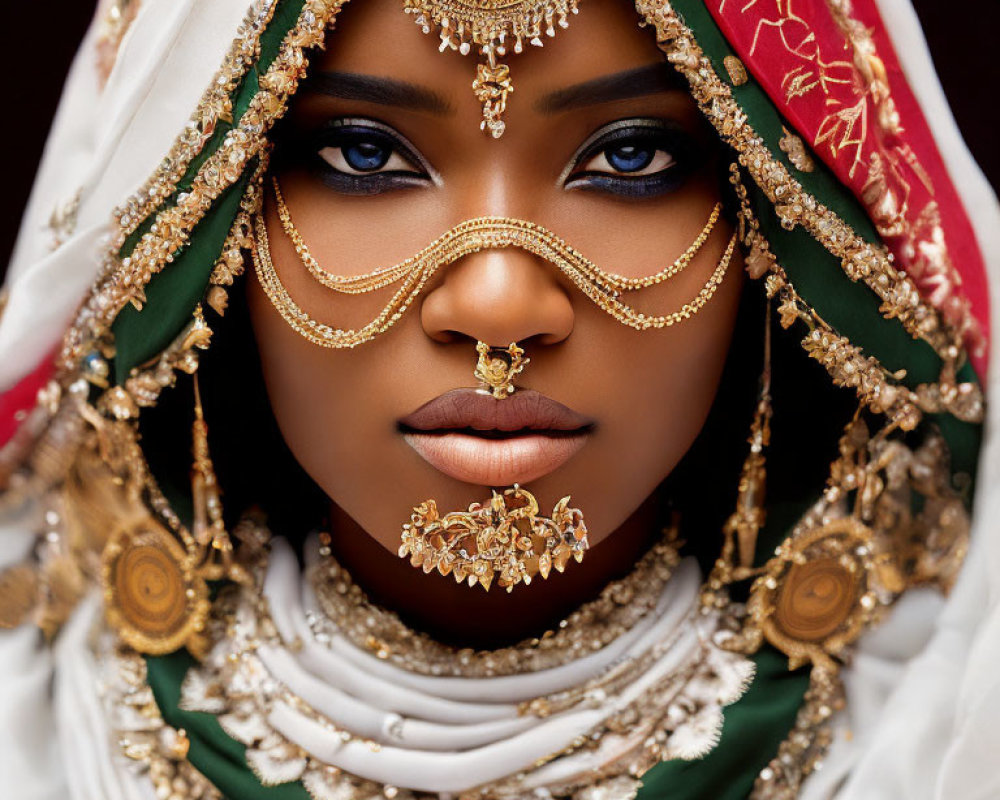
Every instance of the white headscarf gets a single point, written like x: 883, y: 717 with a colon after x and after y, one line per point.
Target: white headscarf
x: 105, y: 143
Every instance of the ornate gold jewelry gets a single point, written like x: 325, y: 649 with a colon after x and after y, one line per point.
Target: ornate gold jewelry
x: 153, y: 597
x: 385, y: 276
x: 796, y: 150
x: 498, y: 366
x: 208, y: 527
x: 504, y: 540
x: 661, y: 700
x: 492, y: 26
x: 819, y: 591
x: 155, y: 583
x: 472, y: 236
x: 348, y: 612
x: 737, y: 72
x: 151, y: 745
x: 743, y: 526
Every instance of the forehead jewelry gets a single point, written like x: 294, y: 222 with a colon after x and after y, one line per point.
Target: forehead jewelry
x: 503, y: 540
x: 603, y: 288
x: 494, y: 27
x: 498, y: 366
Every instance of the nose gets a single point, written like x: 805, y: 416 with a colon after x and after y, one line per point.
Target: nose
x: 499, y: 296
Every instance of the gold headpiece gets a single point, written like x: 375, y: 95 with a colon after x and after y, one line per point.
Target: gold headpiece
x: 493, y: 26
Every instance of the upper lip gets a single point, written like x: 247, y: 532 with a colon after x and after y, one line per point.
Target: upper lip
x: 471, y: 409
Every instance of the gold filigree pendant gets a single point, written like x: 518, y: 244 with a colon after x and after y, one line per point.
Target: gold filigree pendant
x: 504, y: 540
x: 495, y: 27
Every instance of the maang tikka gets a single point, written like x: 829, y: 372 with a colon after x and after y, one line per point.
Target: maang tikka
x: 493, y: 26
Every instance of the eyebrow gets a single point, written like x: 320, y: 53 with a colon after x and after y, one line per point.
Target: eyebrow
x: 639, y: 82
x: 384, y: 91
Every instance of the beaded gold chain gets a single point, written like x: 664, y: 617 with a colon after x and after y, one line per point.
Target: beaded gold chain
x: 466, y: 238
x: 385, y: 276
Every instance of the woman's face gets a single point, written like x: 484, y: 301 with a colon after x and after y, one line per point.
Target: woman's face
x: 382, y: 154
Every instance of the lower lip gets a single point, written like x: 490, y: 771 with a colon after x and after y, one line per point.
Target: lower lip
x: 495, y: 462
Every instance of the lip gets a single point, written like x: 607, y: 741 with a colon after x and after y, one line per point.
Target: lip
x: 475, y: 438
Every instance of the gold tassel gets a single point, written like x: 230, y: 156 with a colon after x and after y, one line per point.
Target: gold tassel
x: 208, y: 526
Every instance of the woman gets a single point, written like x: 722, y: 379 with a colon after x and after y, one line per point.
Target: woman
x: 520, y: 336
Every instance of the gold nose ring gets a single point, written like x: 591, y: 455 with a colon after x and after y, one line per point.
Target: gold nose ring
x: 498, y: 366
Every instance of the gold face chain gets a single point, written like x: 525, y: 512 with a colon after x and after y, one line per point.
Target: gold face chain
x: 472, y: 236
x: 386, y: 276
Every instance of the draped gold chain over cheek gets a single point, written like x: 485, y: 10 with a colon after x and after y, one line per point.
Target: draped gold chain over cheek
x: 472, y: 236
x: 385, y: 276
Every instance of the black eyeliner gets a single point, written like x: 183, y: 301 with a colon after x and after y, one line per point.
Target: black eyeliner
x: 305, y: 150
x: 648, y: 133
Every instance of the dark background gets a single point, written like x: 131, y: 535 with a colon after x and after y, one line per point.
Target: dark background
x: 964, y: 38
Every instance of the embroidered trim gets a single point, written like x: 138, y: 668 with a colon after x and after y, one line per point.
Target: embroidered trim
x: 860, y: 260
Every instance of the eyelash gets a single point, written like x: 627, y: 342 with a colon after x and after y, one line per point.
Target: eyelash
x: 329, y: 146
x: 664, y: 156
x: 672, y: 156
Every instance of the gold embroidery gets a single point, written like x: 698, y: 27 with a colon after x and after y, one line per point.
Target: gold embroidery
x: 737, y: 72
x: 795, y: 148
x: 860, y: 260
x: 123, y: 280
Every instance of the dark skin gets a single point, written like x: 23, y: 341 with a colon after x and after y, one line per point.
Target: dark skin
x: 648, y: 393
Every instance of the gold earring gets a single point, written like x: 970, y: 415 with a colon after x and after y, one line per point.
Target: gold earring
x: 498, y: 366
x: 749, y: 516
x: 742, y: 528
x: 208, y: 526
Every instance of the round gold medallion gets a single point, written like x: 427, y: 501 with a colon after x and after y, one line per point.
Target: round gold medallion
x: 818, y: 591
x: 815, y: 599
x: 152, y: 597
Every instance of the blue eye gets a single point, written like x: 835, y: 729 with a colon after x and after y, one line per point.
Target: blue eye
x: 634, y: 158
x: 363, y: 157
x: 357, y: 150
x: 629, y: 157
x: 366, y: 156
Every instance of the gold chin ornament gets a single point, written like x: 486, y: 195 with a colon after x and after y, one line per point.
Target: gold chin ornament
x: 504, y: 540
x: 498, y: 366
x: 494, y: 27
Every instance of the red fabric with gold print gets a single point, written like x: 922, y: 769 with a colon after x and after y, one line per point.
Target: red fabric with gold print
x: 830, y: 68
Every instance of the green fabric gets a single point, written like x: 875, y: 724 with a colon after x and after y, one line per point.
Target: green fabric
x: 852, y: 308
x: 172, y: 294
x: 218, y: 757
x: 753, y: 729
